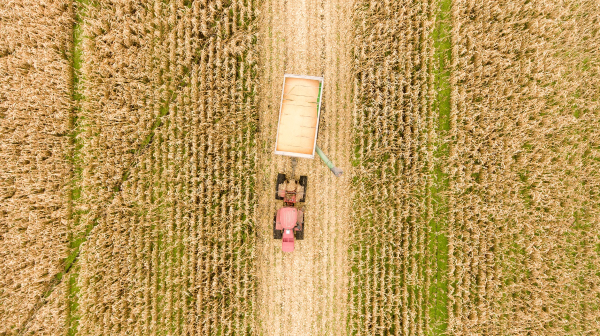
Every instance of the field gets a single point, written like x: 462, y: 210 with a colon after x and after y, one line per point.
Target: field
x: 35, y: 122
x: 162, y: 170
x: 136, y: 189
x: 524, y: 168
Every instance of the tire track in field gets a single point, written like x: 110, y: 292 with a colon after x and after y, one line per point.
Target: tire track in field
x: 304, y: 293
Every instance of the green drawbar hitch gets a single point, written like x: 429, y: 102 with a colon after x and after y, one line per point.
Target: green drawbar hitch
x: 336, y: 171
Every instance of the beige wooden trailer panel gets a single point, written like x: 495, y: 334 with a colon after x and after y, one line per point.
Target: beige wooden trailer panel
x: 299, y: 116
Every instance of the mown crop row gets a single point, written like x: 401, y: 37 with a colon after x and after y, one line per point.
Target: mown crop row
x: 524, y: 168
x: 168, y: 168
x: 35, y: 118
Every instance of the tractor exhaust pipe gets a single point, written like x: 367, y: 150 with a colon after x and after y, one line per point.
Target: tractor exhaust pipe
x: 336, y: 171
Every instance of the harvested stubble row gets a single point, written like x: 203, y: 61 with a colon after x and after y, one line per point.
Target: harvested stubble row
x: 393, y: 117
x: 35, y: 109
x: 168, y: 130
x: 524, y: 168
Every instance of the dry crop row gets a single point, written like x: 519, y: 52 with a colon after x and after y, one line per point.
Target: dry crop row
x: 35, y: 117
x: 524, y: 168
x: 169, y: 168
x: 393, y: 262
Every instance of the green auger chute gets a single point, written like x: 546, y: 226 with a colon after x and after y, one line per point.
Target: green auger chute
x: 336, y: 171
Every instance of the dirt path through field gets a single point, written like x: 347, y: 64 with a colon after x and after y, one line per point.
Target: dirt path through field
x: 305, y: 292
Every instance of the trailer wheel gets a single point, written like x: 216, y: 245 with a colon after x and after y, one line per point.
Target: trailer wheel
x: 280, y: 180
x: 303, y: 182
x: 277, y: 234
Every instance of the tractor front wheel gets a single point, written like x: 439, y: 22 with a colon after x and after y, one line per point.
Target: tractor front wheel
x: 280, y: 180
x: 303, y: 182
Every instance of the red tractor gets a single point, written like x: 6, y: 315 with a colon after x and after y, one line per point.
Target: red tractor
x: 297, y: 129
x: 288, y: 222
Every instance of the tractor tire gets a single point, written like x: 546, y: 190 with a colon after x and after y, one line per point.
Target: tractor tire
x: 280, y: 180
x: 277, y: 234
x: 300, y: 234
x: 303, y: 182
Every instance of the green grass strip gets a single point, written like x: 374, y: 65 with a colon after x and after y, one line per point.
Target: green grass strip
x: 438, y: 244
x: 72, y: 318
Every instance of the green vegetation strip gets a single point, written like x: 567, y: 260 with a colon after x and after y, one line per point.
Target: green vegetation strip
x: 72, y: 318
x: 438, y: 244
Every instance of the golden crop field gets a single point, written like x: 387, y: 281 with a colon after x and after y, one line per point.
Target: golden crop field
x: 524, y: 168
x: 167, y: 169
x: 137, y: 167
x: 35, y: 122
x: 393, y: 121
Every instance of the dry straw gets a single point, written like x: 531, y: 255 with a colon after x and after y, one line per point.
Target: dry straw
x: 169, y: 161
x: 391, y: 113
x: 524, y: 168
x: 35, y: 108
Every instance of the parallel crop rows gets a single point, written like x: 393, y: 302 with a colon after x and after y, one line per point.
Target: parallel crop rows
x: 147, y: 159
x: 168, y: 187
x: 524, y: 168
x: 393, y: 120
x: 35, y: 113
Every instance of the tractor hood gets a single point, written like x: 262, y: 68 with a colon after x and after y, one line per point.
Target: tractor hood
x: 287, y: 216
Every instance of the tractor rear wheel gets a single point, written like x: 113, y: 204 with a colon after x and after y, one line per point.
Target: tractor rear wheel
x: 303, y: 182
x: 300, y: 234
x: 280, y: 180
x: 277, y: 234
